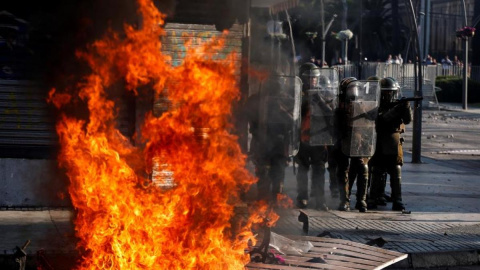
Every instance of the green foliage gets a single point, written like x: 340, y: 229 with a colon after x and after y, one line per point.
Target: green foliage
x: 309, y: 15
x: 452, y: 89
x: 383, y: 31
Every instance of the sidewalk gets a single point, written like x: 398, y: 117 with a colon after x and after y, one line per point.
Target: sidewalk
x: 459, y: 107
x: 442, y: 230
x: 442, y: 193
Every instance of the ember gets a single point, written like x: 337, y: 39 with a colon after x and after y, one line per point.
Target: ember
x: 123, y: 221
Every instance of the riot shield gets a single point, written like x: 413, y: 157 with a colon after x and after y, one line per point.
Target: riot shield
x: 280, y: 118
x: 361, y: 112
x: 323, y: 102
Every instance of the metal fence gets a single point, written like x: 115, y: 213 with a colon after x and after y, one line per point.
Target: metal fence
x: 475, y: 73
x: 405, y: 75
x: 430, y: 72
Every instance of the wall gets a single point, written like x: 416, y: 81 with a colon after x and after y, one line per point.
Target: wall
x: 178, y: 35
x: 28, y: 182
x: 38, y: 182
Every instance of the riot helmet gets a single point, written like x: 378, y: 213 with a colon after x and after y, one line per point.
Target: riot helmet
x: 344, y: 86
x: 309, y: 73
x: 373, y: 78
x: 324, y: 82
x: 306, y: 66
x: 353, y: 90
x: 388, y: 90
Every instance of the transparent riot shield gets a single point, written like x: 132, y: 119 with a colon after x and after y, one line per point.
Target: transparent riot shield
x: 323, y: 102
x: 361, y: 112
x: 280, y: 118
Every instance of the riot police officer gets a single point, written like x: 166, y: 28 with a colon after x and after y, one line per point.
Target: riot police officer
x: 270, y: 126
x: 331, y: 88
x: 310, y: 155
x: 355, y: 125
x: 393, y: 114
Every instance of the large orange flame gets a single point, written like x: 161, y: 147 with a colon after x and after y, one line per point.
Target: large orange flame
x: 122, y: 220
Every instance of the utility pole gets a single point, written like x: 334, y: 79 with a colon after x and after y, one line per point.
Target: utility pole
x: 360, y: 41
x: 360, y: 47
x: 465, y: 61
x: 420, y: 31
x: 417, y: 110
x: 322, y: 18
x: 426, y: 41
x: 324, y: 29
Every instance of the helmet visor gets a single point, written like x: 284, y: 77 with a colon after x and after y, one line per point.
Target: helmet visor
x: 352, y: 92
x: 388, y: 96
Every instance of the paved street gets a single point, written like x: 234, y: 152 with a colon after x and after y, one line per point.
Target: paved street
x: 449, y: 134
x: 442, y: 193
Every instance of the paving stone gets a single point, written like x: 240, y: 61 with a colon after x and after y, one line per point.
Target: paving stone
x: 404, y: 236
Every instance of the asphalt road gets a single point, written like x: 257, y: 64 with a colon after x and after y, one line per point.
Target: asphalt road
x: 446, y: 179
x: 449, y: 134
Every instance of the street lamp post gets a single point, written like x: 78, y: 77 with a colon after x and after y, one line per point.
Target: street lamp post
x: 465, y: 61
x: 344, y: 36
x: 325, y: 29
x: 417, y: 110
x: 465, y: 75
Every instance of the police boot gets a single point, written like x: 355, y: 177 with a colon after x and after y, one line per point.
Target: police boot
x: 362, y: 184
x: 333, y: 182
x: 302, y: 186
x: 343, y: 191
x: 319, y: 198
x: 277, y: 176
x: 318, y: 184
x: 382, y: 198
x: 263, y: 184
x: 313, y: 191
x: 375, y: 187
x: 396, y: 185
x: 277, y: 188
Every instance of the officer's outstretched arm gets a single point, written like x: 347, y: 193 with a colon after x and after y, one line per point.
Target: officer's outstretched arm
x: 322, y: 103
x: 407, y: 114
x: 394, y: 113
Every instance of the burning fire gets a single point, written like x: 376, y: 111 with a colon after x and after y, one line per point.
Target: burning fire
x: 123, y: 221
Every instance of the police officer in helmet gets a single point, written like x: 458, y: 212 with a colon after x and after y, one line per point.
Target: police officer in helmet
x: 350, y: 89
x: 269, y: 124
x: 326, y: 83
x: 393, y: 115
x: 310, y: 74
x: 309, y: 156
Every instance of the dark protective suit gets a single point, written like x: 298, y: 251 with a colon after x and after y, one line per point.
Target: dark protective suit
x: 388, y: 155
x: 268, y: 151
x: 310, y: 156
x: 346, y: 164
x: 332, y: 171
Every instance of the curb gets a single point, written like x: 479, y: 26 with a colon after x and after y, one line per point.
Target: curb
x: 438, y: 259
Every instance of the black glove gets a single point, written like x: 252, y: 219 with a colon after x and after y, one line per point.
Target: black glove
x: 406, y: 104
x: 316, y: 98
x: 394, y: 113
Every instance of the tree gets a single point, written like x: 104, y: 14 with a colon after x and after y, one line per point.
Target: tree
x: 308, y: 28
x: 384, y: 32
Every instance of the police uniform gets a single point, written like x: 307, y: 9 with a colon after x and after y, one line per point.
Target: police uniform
x: 388, y: 157
x: 308, y: 155
x: 355, y: 165
x: 268, y: 149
